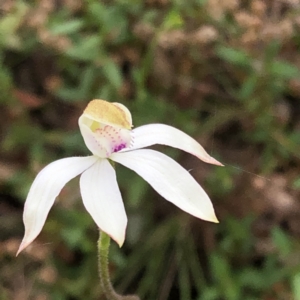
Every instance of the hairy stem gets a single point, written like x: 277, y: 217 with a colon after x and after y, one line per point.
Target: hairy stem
x: 106, y: 286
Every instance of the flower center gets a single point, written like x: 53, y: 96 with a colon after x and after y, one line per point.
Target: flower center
x: 105, y: 127
x: 112, y: 139
x: 102, y: 139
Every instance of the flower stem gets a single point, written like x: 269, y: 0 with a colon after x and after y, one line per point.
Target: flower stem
x: 103, y: 249
x: 106, y: 286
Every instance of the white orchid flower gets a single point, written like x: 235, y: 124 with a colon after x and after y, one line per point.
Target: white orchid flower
x: 106, y: 130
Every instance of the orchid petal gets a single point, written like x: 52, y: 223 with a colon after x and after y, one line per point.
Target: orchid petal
x: 45, y: 188
x: 152, y: 134
x: 102, y: 199
x: 170, y: 180
x: 90, y: 140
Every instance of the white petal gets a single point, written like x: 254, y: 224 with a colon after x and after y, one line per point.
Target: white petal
x: 170, y: 180
x: 45, y: 188
x: 102, y: 199
x: 152, y: 134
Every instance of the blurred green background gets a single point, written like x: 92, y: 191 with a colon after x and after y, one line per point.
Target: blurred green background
x: 227, y: 73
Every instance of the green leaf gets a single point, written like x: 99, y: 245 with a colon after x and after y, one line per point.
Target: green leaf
x: 296, y: 184
x: 223, y: 275
x: 88, y: 78
x: 284, y: 70
x: 67, y: 27
x: 282, y: 241
x: 173, y: 20
x: 248, y: 87
x: 235, y: 56
x: 112, y: 73
x: 9, y: 24
x: 87, y: 50
x: 296, y: 286
x: 69, y: 94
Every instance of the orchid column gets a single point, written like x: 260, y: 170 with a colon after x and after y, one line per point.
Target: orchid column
x: 106, y: 130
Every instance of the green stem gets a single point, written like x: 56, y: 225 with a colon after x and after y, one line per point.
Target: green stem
x: 106, y: 286
x: 103, y: 249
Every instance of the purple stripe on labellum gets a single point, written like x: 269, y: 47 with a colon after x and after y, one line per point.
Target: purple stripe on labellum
x: 112, y: 139
x: 119, y: 147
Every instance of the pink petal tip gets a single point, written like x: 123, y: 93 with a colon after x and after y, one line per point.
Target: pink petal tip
x: 20, y: 249
x: 213, y: 161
